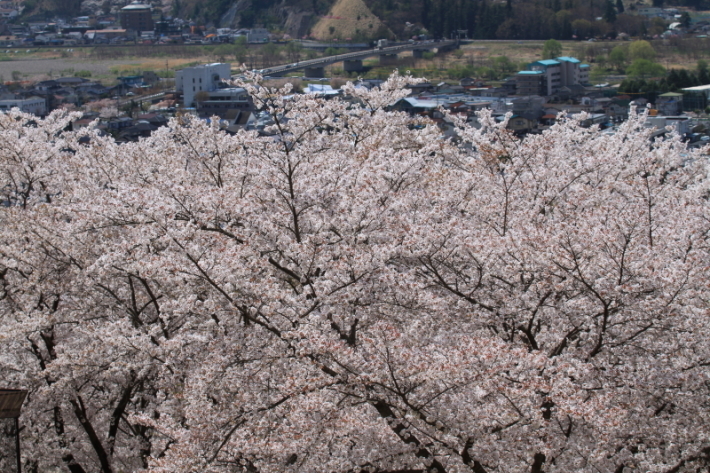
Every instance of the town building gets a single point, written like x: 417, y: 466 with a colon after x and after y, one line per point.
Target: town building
x: 193, y: 80
x: 530, y: 83
x: 35, y: 105
x: 137, y: 16
x: 548, y: 76
x: 258, y: 35
x: 225, y: 103
x: 696, y: 98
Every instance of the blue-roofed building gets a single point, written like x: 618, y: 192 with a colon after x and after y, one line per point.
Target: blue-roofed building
x: 548, y: 76
x: 546, y: 62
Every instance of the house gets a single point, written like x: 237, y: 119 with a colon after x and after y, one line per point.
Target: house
x: 418, y: 106
x: 531, y: 106
x: 70, y: 81
x: 419, y: 88
x: 94, y: 89
x: 670, y: 103
x: 157, y: 119
x: 119, y: 123
x: 471, y: 82
x: 8, y: 13
x: 150, y: 78
x: 521, y: 124
x: 548, y: 119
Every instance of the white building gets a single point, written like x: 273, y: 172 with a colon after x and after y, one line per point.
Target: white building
x: 193, y: 80
x: 34, y: 105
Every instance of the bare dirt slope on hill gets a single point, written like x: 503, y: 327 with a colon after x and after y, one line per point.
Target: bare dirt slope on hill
x: 350, y: 19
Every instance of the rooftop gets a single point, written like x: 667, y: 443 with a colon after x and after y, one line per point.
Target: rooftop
x: 136, y: 6
x: 698, y: 88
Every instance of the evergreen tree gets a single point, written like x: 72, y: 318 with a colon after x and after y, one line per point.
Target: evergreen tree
x: 685, y: 19
x: 673, y: 80
x: 703, y: 75
x: 609, y: 12
x: 470, y: 8
x: 620, y: 6
x: 684, y: 79
x: 426, y: 14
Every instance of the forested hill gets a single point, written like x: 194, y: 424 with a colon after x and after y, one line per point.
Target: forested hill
x: 483, y: 19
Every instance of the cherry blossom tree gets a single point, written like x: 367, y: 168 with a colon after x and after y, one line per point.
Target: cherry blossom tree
x: 351, y: 292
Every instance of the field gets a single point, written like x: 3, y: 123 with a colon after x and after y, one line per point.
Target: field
x: 39, y: 64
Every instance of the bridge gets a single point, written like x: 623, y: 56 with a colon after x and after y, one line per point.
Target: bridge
x: 352, y: 62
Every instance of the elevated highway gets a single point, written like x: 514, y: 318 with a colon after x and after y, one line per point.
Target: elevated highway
x: 353, y: 61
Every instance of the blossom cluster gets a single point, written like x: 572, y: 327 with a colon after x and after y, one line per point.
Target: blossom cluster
x: 351, y: 292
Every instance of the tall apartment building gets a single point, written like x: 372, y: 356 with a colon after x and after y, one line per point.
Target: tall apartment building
x: 547, y: 76
x: 192, y: 80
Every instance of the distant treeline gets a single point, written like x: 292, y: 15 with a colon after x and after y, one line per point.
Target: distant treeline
x: 532, y: 19
x: 675, y: 80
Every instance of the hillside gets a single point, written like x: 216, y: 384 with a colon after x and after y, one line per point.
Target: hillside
x: 368, y: 19
x: 350, y: 19
x: 47, y: 9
